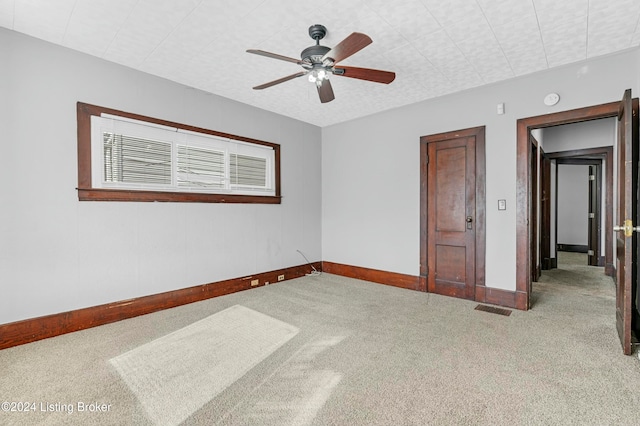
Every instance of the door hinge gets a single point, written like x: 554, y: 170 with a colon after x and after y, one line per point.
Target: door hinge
x: 592, y: 177
x: 590, y: 252
x: 592, y: 215
x: 426, y: 159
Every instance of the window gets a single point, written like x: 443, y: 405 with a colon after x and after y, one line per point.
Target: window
x: 127, y: 157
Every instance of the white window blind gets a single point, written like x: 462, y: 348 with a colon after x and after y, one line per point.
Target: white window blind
x: 200, y: 167
x: 138, y: 155
x: 129, y: 159
x: 248, y: 171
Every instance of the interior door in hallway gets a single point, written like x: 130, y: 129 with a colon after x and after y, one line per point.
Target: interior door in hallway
x: 451, y: 216
x: 625, y: 237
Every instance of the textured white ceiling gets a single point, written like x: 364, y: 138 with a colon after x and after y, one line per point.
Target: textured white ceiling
x: 435, y: 47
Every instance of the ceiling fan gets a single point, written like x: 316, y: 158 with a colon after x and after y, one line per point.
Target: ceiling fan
x: 319, y: 62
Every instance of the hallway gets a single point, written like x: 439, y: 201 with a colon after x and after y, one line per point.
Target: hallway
x: 573, y: 282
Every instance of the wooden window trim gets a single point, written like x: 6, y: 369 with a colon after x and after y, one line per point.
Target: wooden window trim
x: 87, y: 193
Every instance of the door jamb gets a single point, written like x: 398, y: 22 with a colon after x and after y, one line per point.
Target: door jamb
x: 523, y: 183
x: 545, y: 211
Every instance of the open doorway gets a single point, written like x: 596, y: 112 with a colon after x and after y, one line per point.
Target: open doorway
x: 524, y: 233
x: 582, y: 195
x: 576, y: 219
x: 575, y: 195
x: 626, y: 162
x: 571, y: 198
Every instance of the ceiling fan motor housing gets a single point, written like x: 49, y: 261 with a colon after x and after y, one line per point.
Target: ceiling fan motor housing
x: 314, y: 54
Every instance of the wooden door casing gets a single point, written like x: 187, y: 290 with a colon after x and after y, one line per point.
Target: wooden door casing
x: 595, y: 199
x: 599, y: 156
x: 545, y: 211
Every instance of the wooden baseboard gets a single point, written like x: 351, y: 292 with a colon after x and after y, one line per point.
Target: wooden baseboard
x: 613, y: 275
x: 494, y: 296
x: 394, y: 279
x: 33, y: 329
x: 610, y: 270
x: 574, y: 248
x: 506, y: 298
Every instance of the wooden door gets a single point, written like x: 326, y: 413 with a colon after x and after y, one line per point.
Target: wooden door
x: 625, y: 247
x: 534, y: 241
x: 451, y: 237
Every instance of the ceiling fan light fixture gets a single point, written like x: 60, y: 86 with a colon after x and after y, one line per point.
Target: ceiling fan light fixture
x: 319, y: 75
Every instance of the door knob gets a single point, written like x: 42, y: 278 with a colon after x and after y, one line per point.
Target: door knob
x: 628, y: 228
x: 469, y: 220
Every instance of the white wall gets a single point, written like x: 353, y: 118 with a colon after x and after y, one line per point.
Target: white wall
x: 371, y: 166
x: 59, y: 254
x: 573, y: 204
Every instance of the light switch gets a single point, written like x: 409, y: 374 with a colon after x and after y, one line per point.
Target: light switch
x: 502, y: 204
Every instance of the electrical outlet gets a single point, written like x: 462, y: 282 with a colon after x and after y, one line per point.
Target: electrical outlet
x: 255, y: 283
x: 281, y: 277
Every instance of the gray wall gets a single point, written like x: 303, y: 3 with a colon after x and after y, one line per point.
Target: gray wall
x: 59, y: 254
x: 371, y: 166
x: 351, y: 191
x: 588, y: 134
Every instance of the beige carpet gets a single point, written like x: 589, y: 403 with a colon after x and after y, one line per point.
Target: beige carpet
x: 175, y: 375
x: 364, y: 354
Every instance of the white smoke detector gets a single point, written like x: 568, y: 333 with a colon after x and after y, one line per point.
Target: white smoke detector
x: 551, y: 99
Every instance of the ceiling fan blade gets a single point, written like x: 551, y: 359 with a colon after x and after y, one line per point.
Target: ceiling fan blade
x: 377, y: 76
x: 274, y: 56
x: 347, y: 47
x: 326, y: 92
x: 280, y: 80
